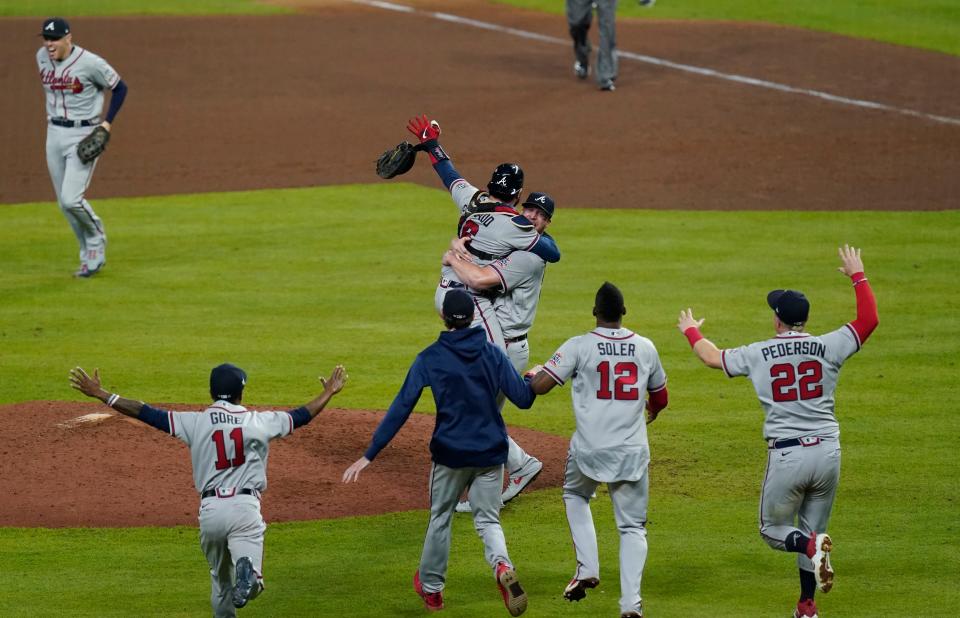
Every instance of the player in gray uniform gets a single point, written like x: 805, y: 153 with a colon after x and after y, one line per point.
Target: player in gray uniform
x: 489, y: 228
x: 73, y: 80
x: 795, y: 376
x: 613, y: 369
x: 516, y: 280
x: 229, y: 446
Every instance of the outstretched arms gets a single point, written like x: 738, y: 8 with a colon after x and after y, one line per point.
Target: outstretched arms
x: 705, y: 349
x: 428, y: 133
x: 90, y: 386
x: 867, y: 317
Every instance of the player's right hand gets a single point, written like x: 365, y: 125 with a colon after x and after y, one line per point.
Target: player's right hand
x: 852, y: 264
x: 337, y: 379
x: 86, y: 384
x: 425, y: 130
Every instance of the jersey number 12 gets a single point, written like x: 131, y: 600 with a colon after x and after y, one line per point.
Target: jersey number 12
x: 236, y: 435
x: 624, y: 383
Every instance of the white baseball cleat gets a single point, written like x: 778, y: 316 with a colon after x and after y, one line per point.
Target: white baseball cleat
x: 463, y: 507
x: 822, y: 570
x: 519, y: 480
x: 581, y: 70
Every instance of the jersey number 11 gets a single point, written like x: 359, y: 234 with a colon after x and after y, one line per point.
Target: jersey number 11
x: 236, y: 435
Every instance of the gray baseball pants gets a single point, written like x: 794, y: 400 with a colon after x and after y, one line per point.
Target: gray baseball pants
x: 630, y: 511
x: 579, y: 16
x: 798, y: 492
x: 70, y: 178
x: 230, y: 529
x: 446, y: 485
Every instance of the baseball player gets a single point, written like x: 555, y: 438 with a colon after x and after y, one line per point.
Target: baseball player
x: 229, y: 446
x: 489, y: 228
x: 468, y: 448
x: 73, y: 80
x: 613, y: 369
x: 795, y: 375
x: 516, y: 279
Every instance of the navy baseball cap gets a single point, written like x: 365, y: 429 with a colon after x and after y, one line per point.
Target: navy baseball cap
x: 55, y: 28
x: 542, y: 201
x: 791, y: 306
x: 458, y: 305
x: 227, y: 382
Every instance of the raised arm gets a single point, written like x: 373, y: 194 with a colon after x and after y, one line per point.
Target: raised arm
x: 705, y: 349
x: 427, y: 133
x: 867, y: 317
x: 90, y: 386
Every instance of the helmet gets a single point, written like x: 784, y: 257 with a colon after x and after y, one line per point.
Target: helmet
x: 506, y: 181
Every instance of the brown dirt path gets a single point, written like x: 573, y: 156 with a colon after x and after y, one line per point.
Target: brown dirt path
x: 121, y: 472
x: 227, y: 103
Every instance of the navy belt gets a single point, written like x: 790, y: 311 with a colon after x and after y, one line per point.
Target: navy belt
x: 210, y: 493
x: 63, y: 122
x: 483, y: 255
x: 788, y: 442
x: 515, y: 339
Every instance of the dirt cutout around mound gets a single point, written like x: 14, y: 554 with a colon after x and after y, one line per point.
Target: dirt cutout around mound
x: 78, y: 465
x: 226, y: 103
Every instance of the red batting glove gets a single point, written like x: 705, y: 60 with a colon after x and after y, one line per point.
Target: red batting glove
x: 425, y: 130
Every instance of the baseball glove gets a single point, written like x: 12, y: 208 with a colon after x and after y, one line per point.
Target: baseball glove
x: 93, y: 145
x: 397, y: 160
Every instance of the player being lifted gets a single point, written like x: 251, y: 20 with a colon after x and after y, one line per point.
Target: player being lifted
x: 795, y: 376
x: 229, y: 446
x: 489, y: 228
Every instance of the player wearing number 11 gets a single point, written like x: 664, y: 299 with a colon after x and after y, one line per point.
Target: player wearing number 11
x: 228, y: 448
x: 795, y: 376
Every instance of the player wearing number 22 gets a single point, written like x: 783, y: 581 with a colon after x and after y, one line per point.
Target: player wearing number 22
x: 613, y: 369
x: 795, y: 376
x: 229, y: 446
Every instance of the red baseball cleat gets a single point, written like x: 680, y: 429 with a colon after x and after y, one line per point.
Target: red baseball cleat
x: 513, y: 595
x: 806, y: 608
x: 433, y: 600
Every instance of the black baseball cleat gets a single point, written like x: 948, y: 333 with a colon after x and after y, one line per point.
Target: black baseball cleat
x: 246, y: 587
x: 581, y: 70
x: 577, y: 588
x: 608, y: 86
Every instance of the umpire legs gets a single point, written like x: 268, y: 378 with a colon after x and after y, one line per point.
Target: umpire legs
x: 579, y: 16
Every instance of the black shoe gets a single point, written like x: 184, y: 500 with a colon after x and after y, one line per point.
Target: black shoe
x: 608, y: 86
x: 247, y: 586
x: 581, y: 70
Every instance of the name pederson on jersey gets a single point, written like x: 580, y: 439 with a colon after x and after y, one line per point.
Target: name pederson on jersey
x: 74, y: 86
x: 612, y: 370
x: 795, y: 377
x: 229, y: 444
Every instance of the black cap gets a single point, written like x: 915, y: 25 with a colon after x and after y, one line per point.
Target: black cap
x: 457, y: 305
x: 55, y: 28
x: 506, y: 182
x: 227, y: 382
x: 791, y: 306
x: 542, y: 201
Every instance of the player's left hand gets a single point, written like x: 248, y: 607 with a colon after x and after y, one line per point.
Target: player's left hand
x: 352, y: 474
x: 686, y: 320
x: 86, y: 384
x: 425, y: 130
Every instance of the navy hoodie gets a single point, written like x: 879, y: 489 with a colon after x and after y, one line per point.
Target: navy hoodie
x: 465, y: 374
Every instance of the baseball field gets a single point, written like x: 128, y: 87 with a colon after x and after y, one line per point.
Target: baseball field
x: 745, y: 142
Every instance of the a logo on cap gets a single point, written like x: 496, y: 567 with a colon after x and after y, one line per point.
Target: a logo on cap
x: 502, y: 182
x: 49, y: 26
x: 542, y: 199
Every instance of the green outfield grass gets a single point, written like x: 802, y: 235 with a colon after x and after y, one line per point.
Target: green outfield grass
x: 287, y: 283
x: 930, y: 24
x: 77, y: 8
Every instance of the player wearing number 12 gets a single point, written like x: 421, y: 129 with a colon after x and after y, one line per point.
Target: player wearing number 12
x: 612, y: 369
x: 228, y: 448
x: 795, y: 375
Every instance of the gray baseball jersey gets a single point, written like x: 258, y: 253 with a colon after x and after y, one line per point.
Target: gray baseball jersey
x: 521, y: 277
x: 795, y: 376
x: 612, y: 370
x: 74, y: 86
x: 229, y: 445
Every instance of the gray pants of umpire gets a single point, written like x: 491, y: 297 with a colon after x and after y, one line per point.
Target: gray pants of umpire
x: 579, y: 16
x: 446, y: 486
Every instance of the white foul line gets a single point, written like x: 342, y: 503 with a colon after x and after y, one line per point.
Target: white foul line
x: 688, y: 68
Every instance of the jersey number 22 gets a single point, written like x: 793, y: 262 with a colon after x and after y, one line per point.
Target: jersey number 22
x: 786, y: 386
x: 236, y: 436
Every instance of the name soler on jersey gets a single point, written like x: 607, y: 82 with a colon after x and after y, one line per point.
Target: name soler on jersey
x: 609, y: 348
x: 788, y: 348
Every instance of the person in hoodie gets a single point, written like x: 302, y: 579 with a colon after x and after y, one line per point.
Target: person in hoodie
x: 468, y: 447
